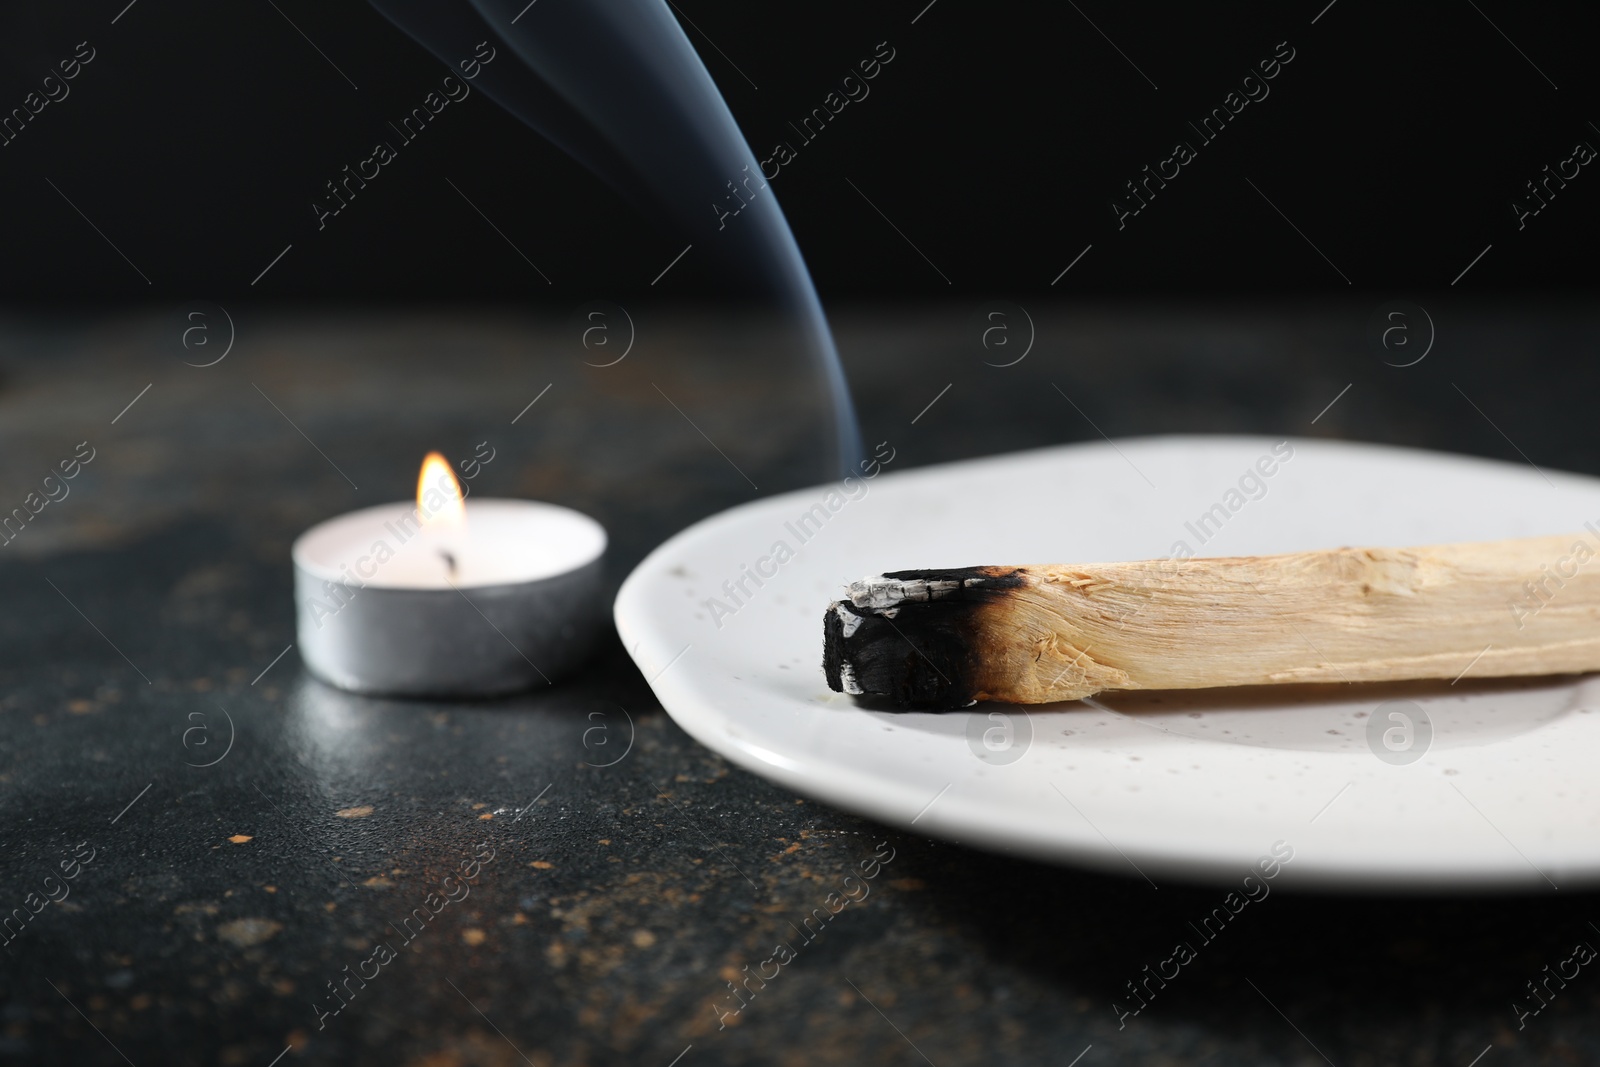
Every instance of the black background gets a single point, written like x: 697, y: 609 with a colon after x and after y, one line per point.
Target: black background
x: 1396, y: 140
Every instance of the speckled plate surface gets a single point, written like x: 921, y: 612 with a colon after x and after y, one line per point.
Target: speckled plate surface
x: 1477, y: 784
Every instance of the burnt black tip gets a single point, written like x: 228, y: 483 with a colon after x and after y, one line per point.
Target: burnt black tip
x: 991, y: 579
x: 833, y: 646
x: 918, y: 660
x: 921, y: 659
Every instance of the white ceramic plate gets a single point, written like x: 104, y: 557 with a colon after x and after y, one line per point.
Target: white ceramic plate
x: 1195, y: 785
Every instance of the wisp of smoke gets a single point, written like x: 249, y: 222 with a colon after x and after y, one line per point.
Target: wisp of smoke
x: 617, y: 85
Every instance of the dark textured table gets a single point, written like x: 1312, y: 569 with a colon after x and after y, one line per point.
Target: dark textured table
x: 564, y: 877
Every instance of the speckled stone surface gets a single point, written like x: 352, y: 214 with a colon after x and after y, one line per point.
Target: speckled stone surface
x: 241, y: 839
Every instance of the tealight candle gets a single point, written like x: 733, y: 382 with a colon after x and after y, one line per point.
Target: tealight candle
x: 448, y: 597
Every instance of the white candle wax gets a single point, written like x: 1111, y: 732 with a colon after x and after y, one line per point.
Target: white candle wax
x: 501, y: 542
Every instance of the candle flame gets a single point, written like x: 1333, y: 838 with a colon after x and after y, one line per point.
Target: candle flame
x: 439, y: 500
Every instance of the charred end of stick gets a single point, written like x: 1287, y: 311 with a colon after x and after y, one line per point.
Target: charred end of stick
x: 913, y: 636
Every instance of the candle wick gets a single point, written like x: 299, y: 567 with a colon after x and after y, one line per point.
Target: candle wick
x: 450, y: 561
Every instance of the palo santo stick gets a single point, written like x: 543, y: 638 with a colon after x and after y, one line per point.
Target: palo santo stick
x: 1030, y: 635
